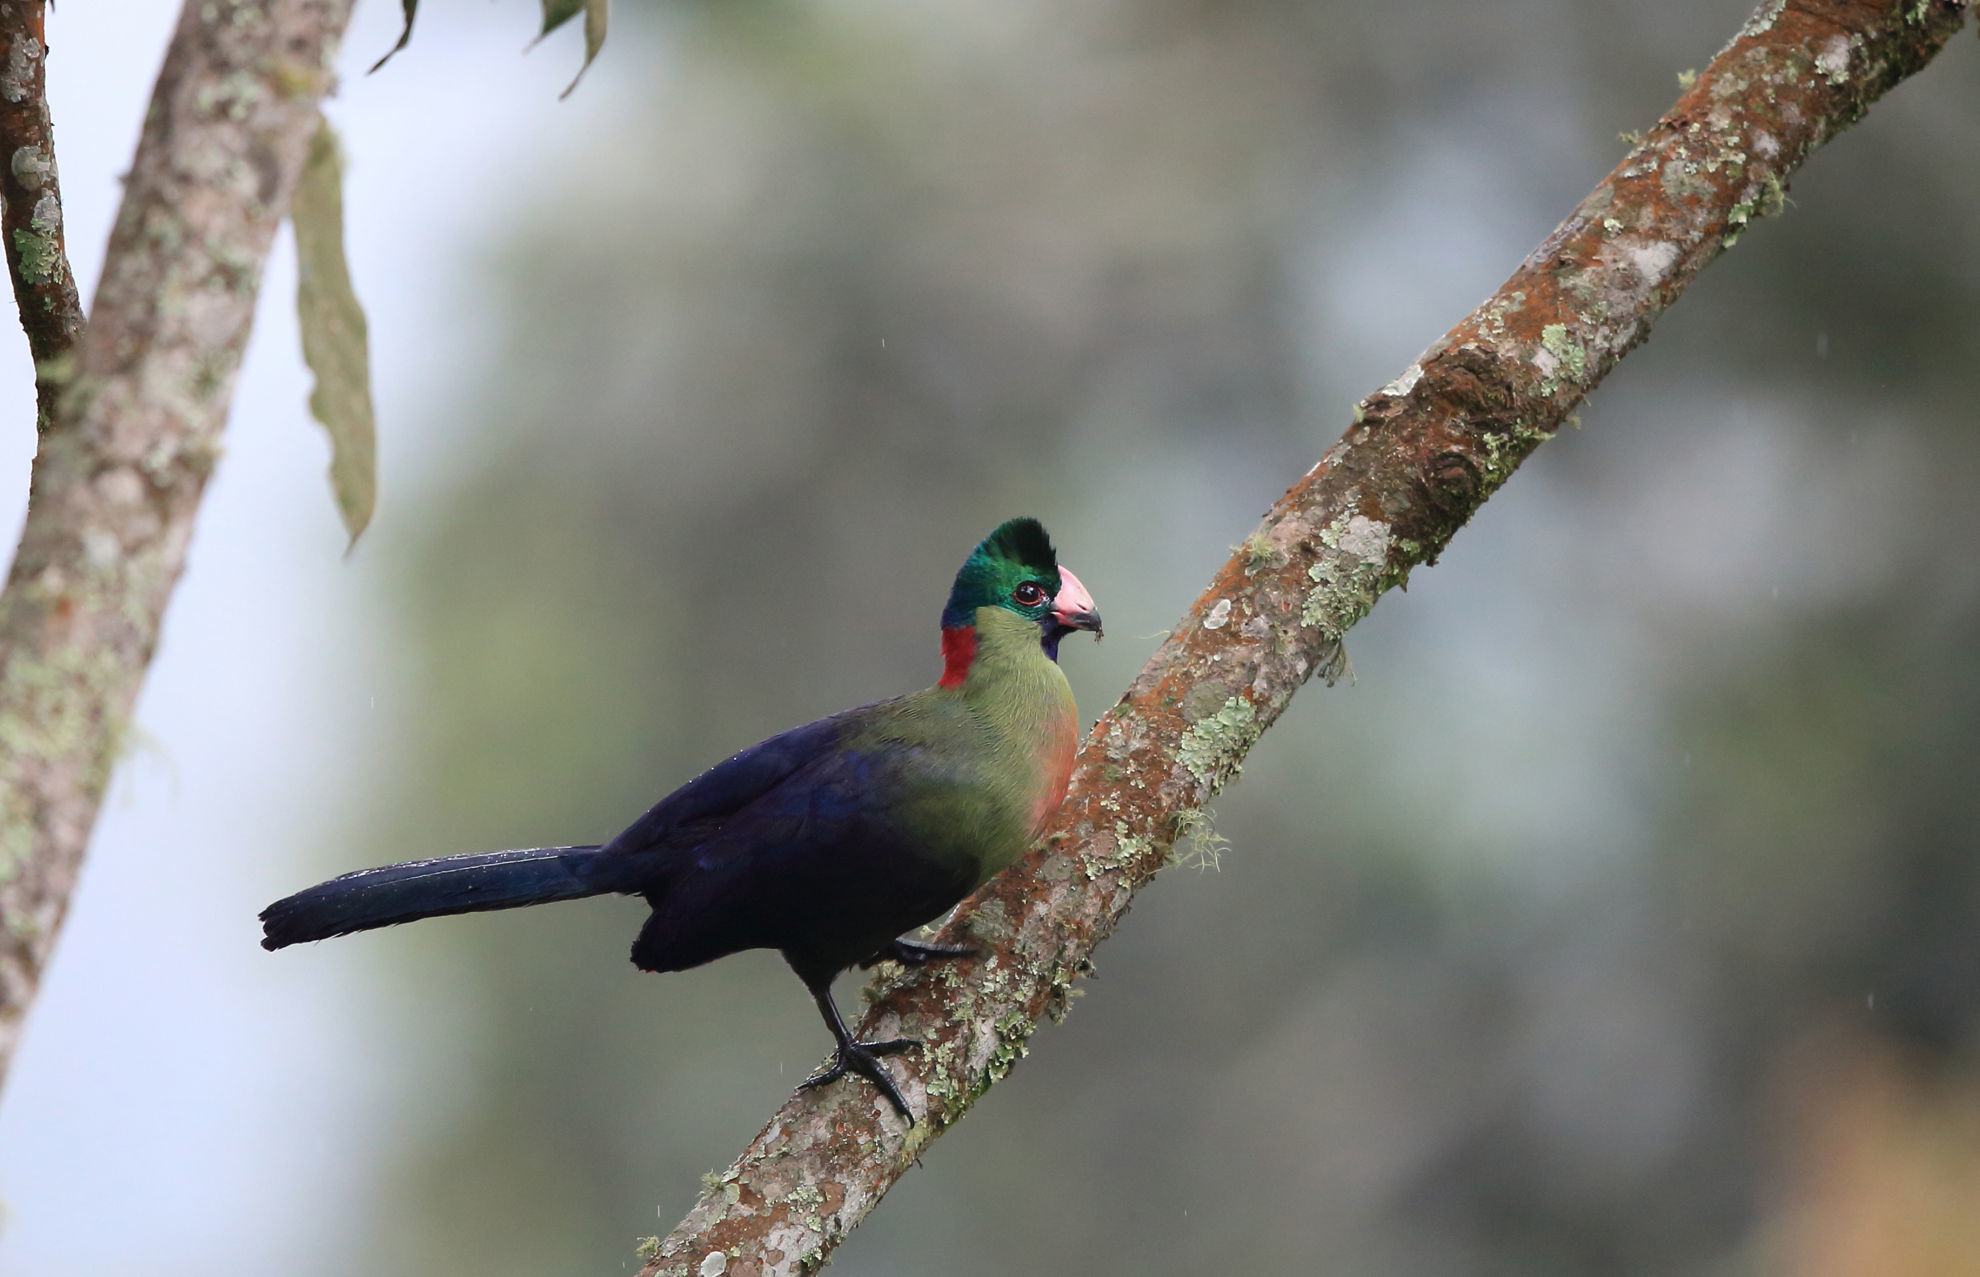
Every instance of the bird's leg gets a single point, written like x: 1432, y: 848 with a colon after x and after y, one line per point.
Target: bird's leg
x: 854, y: 1056
x: 910, y: 954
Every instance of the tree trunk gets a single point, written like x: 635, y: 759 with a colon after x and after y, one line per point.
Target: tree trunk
x: 134, y: 432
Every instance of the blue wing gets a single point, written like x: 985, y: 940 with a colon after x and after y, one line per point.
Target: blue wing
x: 701, y: 806
x: 795, y: 844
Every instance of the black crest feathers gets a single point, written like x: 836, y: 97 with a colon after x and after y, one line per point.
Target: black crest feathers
x: 1023, y: 541
x: 1018, y: 549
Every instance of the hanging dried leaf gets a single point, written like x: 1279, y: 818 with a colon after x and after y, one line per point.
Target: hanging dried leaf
x: 596, y: 12
x: 333, y: 332
x: 557, y: 12
x: 405, y: 35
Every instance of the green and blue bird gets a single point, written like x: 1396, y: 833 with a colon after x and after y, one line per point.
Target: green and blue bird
x: 826, y: 843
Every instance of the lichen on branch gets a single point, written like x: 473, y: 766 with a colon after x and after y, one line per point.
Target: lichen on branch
x: 31, y: 203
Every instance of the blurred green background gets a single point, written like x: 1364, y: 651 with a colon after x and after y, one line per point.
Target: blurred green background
x: 1619, y: 917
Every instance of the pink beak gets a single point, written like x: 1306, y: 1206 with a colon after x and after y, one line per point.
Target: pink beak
x: 1073, y: 607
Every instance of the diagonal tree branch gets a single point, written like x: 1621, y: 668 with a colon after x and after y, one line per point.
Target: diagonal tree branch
x: 134, y: 433
x: 31, y: 203
x: 1423, y: 454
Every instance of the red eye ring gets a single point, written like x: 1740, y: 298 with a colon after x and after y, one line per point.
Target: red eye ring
x: 1030, y: 594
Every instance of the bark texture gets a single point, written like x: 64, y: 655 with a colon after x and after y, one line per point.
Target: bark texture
x: 134, y: 433
x: 31, y: 203
x: 1423, y: 454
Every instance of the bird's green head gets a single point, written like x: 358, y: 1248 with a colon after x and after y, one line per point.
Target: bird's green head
x: 1015, y: 568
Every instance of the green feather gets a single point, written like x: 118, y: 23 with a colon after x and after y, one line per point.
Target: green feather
x: 1018, y: 551
x: 1004, y: 739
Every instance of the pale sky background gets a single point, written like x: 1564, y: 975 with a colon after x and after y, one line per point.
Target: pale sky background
x: 142, y: 1122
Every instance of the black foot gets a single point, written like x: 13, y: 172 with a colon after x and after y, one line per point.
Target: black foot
x: 910, y: 954
x: 863, y: 1058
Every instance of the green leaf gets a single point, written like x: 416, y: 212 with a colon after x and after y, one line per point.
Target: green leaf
x: 333, y: 332
x: 412, y: 8
x: 596, y: 12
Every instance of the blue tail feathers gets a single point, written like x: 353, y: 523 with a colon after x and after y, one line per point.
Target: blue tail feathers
x: 430, y: 889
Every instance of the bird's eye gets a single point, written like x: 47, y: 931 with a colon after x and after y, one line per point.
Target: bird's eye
x: 1030, y: 594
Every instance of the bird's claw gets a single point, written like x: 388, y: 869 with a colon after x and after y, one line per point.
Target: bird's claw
x: 863, y: 1058
x: 912, y: 954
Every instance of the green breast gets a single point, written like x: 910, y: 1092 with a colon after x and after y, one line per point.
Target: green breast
x: 985, y: 764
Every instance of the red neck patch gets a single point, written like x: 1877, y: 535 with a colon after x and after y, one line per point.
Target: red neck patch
x: 958, y: 653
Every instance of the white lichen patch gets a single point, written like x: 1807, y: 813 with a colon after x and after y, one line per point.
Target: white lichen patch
x: 1680, y: 180
x: 1652, y: 260
x: 16, y: 79
x: 1218, y: 615
x: 32, y: 167
x: 1763, y: 20
x: 1365, y: 538
x: 982, y: 1045
x: 1405, y: 383
x: 790, y: 1244
x: 1832, y: 60
x: 1629, y: 271
x: 991, y: 921
x: 1348, y: 580
x: 101, y: 548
